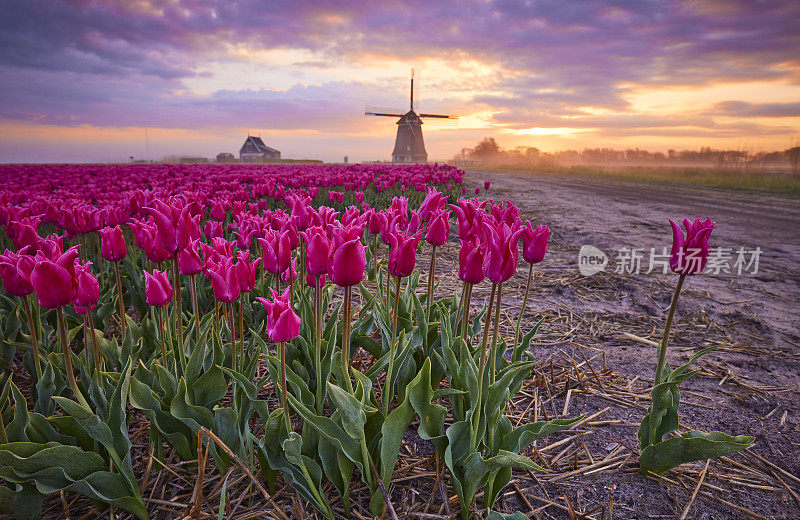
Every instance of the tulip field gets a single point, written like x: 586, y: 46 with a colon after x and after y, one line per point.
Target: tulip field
x: 314, y: 341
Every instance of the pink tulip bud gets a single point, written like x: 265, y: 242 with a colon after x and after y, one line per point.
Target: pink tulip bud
x: 402, y: 253
x: 470, y: 261
x: 246, y: 271
x: 212, y: 229
x: 112, y: 244
x: 317, y: 248
x: 502, y: 251
x: 433, y: 201
x: 157, y: 289
x: 15, y: 272
x: 54, y: 279
x: 87, y: 289
x: 438, y: 227
x: 290, y: 274
x: 225, y: 281
x: 347, y: 256
x: 282, y: 323
x: 189, y: 260
x: 690, y: 253
x: 486, y: 185
x: 534, y: 242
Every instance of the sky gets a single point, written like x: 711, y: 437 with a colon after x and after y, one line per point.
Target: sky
x: 92, y: 80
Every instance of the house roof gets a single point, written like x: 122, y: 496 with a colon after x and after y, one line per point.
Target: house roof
x: 259, y: 144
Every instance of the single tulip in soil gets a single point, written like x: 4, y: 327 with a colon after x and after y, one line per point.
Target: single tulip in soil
x: 661, y: 451
x: 534, y: 247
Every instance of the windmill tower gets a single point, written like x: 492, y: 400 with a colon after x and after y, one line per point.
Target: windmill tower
x: 409, y: 147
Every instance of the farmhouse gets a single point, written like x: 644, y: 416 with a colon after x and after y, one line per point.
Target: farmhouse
x: 254, y: 150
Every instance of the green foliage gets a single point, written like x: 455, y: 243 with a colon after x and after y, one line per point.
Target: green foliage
x: 659, y: 453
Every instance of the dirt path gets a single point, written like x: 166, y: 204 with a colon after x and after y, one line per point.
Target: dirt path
x: 749, y: 386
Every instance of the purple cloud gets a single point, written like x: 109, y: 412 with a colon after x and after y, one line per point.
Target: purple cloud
x: 115, y: 63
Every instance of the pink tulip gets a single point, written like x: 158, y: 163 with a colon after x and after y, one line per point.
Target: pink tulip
x: 403, y: 253
x: 54, y: 279
x: 469, y: 216
x: 225, y: 281
x: 534, y: 242
x: 290, y: 274
x: 347, y: 256
x: 486, y: 185
x: 112, y: 244
x: 434, y: 201
x: 282, y: 323
x: 87, y: 289
x: 502, y: 251
x: 690, y: 253
x: 157, y: 289
x: 165, y: 229
x: 438, y: 227
x: 189, y: 261
x: 470, y: 261
x: 246, y: 271
x: 212, y: 229
x: 317, y: 249
x: 301, y: 210
x: 276, y: 251
x: 15, y: 273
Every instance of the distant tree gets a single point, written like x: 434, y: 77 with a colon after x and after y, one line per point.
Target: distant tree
x: 793, y: 154
x: 487, y: 151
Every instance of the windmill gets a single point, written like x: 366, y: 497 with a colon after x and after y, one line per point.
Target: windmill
x: 409, y: 147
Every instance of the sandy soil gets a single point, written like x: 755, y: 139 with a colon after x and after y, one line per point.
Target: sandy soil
x: 749, y: 386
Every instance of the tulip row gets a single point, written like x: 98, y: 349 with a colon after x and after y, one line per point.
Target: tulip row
x: 348, y: 387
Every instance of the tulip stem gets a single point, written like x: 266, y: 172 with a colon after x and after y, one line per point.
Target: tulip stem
x: 459, y: 315
x: 193, y: 289
x: 375, y: 246
x: 234, y: 354
x: 493, y: 359
x: 122, y: 320
x: 62, y: 330
x: 346, y: 338
x: 522, y: 309
x: 486, y: 325
x: 176, y: 274
x: 388, y: 387
x: 161, y: 335
x: 662, y: 348
x: 388, y: 291
x: 467, y: 301
x: 34, y: 341
x: 477, y: 409
x: 241, y: 331
x: 95, y: 350
x: 431, y: 278
x: 284, y: 395
x: 318, y: 342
